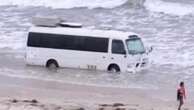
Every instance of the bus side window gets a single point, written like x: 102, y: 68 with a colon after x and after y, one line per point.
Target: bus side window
x: 118, y: 47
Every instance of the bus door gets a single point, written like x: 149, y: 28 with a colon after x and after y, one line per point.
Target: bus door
x: 118, y: 54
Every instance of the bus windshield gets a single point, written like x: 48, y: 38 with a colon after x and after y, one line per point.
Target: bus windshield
x: 135, y: 46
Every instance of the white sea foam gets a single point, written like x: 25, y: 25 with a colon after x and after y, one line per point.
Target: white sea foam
x: 181, y: 60
x: 173, y: 8
x: 65, y: 3
x: 13, y: 40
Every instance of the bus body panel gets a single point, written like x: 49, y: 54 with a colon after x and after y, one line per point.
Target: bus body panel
x: 65, y: 58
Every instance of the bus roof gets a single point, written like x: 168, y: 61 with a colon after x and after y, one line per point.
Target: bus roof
x: 82, y: 32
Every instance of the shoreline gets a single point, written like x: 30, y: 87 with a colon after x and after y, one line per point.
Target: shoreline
x: 64, y: 93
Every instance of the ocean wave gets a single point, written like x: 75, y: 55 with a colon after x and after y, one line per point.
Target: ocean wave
x: 172, y: 8
x: 65, y: 3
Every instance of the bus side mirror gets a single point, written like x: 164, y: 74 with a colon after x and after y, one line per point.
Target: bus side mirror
x: 149, y: 49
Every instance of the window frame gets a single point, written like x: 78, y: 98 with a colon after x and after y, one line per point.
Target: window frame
x: 123, y: 46
x: 91, y: 44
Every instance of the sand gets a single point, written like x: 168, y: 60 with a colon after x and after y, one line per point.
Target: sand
x: 33, y: 94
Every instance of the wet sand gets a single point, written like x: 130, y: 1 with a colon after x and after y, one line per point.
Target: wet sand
x: 18, y: 93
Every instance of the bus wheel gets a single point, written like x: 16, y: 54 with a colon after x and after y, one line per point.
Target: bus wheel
x: 52, y: 64
x: 113, y: 68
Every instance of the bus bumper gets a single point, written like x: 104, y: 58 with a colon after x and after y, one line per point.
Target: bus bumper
x: 137, y: 67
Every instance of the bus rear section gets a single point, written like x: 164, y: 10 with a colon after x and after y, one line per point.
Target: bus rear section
x: 70, y: 51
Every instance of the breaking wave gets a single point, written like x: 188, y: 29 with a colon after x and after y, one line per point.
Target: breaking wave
x: 65, y: 3
x: 172, y: 8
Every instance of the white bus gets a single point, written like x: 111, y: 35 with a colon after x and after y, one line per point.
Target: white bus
x: 114, y: 51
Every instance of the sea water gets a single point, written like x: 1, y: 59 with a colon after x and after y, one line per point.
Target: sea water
x: 167, y: 25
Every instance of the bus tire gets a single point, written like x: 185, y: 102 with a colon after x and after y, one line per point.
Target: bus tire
x: 113, y: 68
x: 52, y: 64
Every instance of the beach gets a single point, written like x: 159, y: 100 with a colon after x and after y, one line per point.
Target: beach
x: 21, y: 90
x: 33, y: 94
x: 165, y: 25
